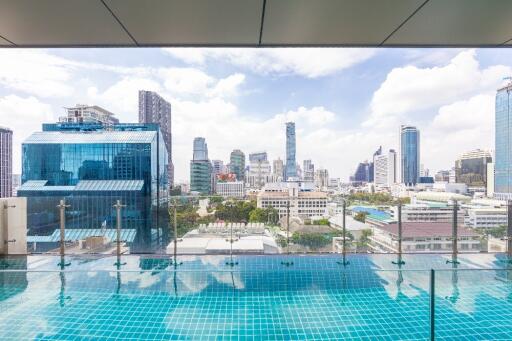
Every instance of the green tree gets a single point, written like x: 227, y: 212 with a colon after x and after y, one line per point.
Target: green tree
x: 364, y: 239
x: 361, y: 216
x: 323, y: 222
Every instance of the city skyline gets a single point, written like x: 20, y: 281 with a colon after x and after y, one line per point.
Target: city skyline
x: 349, y: 104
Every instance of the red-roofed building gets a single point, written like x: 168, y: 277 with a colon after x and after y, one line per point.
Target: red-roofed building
x: 423, y: 237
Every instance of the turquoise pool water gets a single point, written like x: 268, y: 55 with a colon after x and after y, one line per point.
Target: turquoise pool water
x: 316, y: 298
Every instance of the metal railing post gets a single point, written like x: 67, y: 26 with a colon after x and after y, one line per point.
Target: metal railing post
x: 432, y: 304
x: 118, y: 206
x: 509, y: 229
x: 62, y: 215
x: 455, y: 238
x: 344, y: 235
x: 175, y: 229
x: 288, y: 262
x: 400, y: 234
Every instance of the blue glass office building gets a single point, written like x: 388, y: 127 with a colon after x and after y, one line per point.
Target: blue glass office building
x: 503, y: 144
x: 91, y: 167
x: 291, y: 163
x: 409, y: 155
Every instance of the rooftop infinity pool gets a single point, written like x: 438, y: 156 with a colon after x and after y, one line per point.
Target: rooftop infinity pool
x: 259, y: 298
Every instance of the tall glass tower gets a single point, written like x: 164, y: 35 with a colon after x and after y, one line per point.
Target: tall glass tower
x: 200, y: 168
x: 503, y: 144
x: 291, y: 164
x: 91, y: 167
x: 237, y: 164
x: 409, y: 154
x: 5, y: 162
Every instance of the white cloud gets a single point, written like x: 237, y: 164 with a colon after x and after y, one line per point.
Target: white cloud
x: 459, y: 127
x: 35, y: 72
x: 411, y: 89
x: 306, y: 62
x: 23, y: 115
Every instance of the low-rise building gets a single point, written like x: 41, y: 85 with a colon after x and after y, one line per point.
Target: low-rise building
x: 423, y: 237
x: 302, y: 204
x: 486, y: 218
x: 427, y: 212
x: 235, y: 189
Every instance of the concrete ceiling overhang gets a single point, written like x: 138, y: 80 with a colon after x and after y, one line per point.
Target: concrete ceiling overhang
x: 255, y: 23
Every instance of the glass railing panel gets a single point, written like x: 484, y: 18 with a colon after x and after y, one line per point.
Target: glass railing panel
x: 473, y: 304
x: 201, y: 300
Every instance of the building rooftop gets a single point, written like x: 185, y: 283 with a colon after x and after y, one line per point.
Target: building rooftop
x: 426, y: 229
x: 49, y: 137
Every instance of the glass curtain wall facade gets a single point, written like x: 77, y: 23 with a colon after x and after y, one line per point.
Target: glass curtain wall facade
x: 291, y: 149
x: 409, y: 155
x: 5, y: 162
x: 62, y: 157
x: 503, y: 144
x: 237, y: 164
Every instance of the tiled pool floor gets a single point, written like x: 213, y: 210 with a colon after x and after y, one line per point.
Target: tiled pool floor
x: 259, y: 299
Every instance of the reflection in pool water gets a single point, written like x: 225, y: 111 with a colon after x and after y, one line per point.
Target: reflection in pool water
x: 315, y: 299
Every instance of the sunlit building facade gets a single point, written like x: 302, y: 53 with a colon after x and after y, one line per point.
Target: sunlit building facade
x: 409, y: 160
x: 503, y: 144
x: 126, y: 162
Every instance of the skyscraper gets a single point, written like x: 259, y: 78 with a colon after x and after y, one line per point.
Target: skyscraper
x: 237, y: 164
x: 291, y: 169
x: 200, y: 168
x: 503, y: 143
x: 409, y: 160
x: 5, y: 162
x: 155, y: 109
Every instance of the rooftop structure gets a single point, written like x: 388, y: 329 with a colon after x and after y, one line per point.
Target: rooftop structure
x: 83, y: 113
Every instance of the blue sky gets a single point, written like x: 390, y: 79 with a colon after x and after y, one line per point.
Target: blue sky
x: 345, y: 102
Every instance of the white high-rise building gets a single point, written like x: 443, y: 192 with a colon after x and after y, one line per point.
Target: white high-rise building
x: 321, y: 178
x: 259, y: 173
x: 384, y: 168
x: 278, y: 168
x: 308, y: 173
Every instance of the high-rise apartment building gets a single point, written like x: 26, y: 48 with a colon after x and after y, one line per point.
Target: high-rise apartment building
x: 91, y: 114
x: 259, y: 173
x: 237, y: 164
x: 385, y: 168
x: 291, y: 149
x: 409, y: 159
x: 321, y: 178
x: 218, y: 167
x: 471, y: 168
x: 200, y: 168
x: 154, y: 109
x: 92, y: 167
x: 278, y: 168
x: 503, y: 143
x: 5, y: 162
x: 308, y: 173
